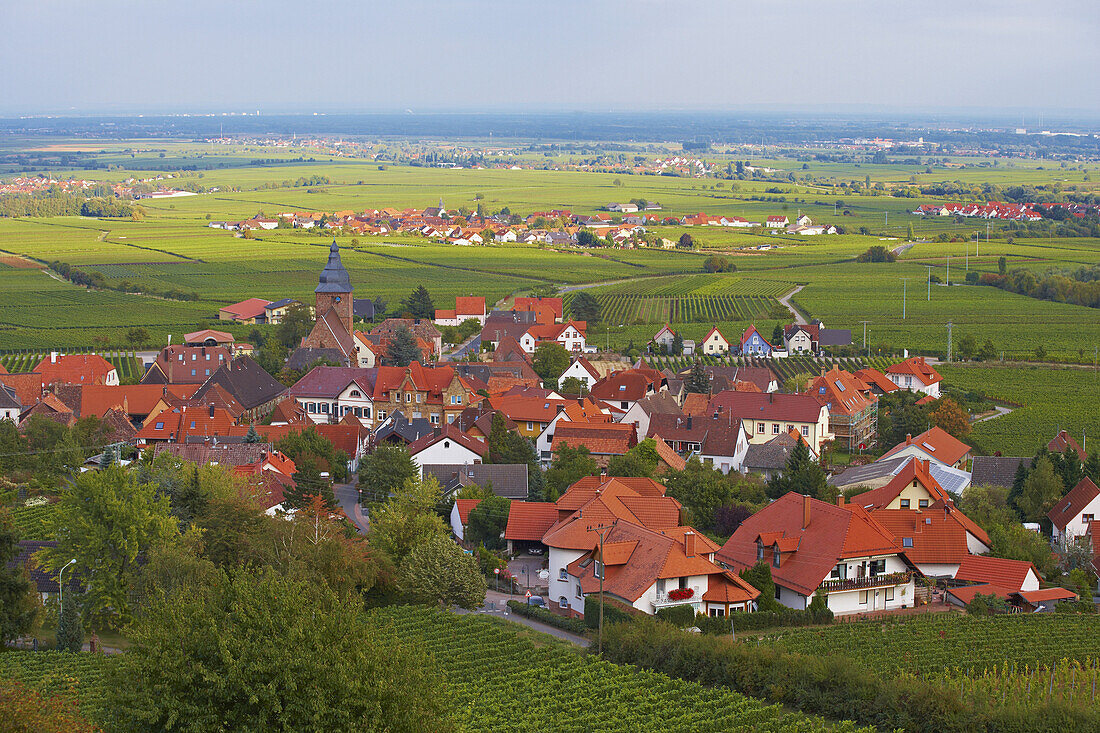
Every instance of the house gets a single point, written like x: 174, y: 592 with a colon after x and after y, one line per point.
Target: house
x: 651, y: 570
x: 588, y: 372
x: 583, y: 410
x: 505, y: 479
x: 275, y: 312
x: 327, y: 393
x: 853, y: 410
x: 1073, y: 515
x: 449, y: 445
x: 9, y: 404
x: 996, y: 470
x: 725, y: 444
x: 768, y: 460
x: 1011, y: 575
x: 249, y: 311
x: 528, y: 522
x: 881, y: 472
x: 936, y: 444
x: 1063, y: 440
x: 367, y: 354
x: 76, y: 369
x: 641, y: 413
x: 603, y: 440
x: 776, y: 222
x: 754, y: 344
x: 466, y: 308
x: 738, y: 378
x: 623, y: 208
x: 438, y: 394
x: 460, y: 516
x: 397, y: 429
x: 814, y: 547
x: 766, y: 416
x: 186, y: 364
x: 664, y: 339
x: 937, y: 540
x: 571, y: 335
x: 208, y: 337
x: 800, y: 338
x: 878, y: 383
x: 715, y: 343
x: 624, y: 388
x: 180, y: 424
x: 916, y: 375
x: 913, y: 487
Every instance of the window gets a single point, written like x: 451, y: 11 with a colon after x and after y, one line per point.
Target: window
x: 194, y: 357
x: 563, y: 602
x: 450, y: 419
x: 806, y: 430
x: 906, y: 541
x: 759, y: 550
x: 923, y: 503
x: 355, y: 393
x: 775, y: 428
x: 863, y: 597
x: 717, y: 612
x: 562, y: 575
x: 889, y: 594
x: 579, y: 593
x: 419, y: 398
x: 192, y: 424
x: 598, y: 570
x: 366, y: 412
x: 775, y: 555
x: 1086, y: 518
x: 840, y: 572
x: 208, y: 357
x: 530, y: 426
x: 192, y: 372
x: 159, y: 426
x: 435, y: 419
x: 381, y: 414
x: 908, y: 381
x: 777, y: 591
x: 790, y: 427
x: 357, y: 412
x: 324, y: 407
x: 904, y: 503
x: 877, y: 566
x: 208, y: 372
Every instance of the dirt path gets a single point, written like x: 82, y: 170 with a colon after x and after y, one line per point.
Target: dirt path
x: 999, y: 412
x: 786, y: 301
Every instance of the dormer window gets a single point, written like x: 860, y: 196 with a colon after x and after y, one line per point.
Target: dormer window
x: 355, y: 393
x: 759, y: 550
x: 775, y: 555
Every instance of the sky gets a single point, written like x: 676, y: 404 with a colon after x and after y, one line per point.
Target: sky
x: 1016, y: 56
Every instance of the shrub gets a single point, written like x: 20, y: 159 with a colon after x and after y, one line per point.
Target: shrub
x: 614, y: 611
x: 679, y: 616
x: 538, y: 613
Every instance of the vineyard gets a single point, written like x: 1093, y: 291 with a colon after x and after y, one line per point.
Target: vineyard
x: 501, y: 681
x: 33, y: 522
x: 126, y: 363
x: 783, y: 368
x: 60, y: 672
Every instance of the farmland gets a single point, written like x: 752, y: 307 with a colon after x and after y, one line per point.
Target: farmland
x: 79, y: 675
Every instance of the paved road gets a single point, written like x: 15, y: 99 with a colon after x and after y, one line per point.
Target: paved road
x: 786, y: 301
x: 495, y: 605
x: 1000, y: 412
x: 348, y: 497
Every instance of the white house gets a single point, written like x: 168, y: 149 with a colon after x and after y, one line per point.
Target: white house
x: 627, y: 208
x: 1072, y: 516
x: 460, y: 516
x: 916, y: 375
x: 725, y: 445
x: 366, y: 353
x: 9, y: 404
x: 328, y: 393
x: 776, y: 222
x: 715, y: 343
x: 448, y: 445
x: 665, y: 337
x: 815, y: 547
x: 568, y: 335
x: 582, y: 370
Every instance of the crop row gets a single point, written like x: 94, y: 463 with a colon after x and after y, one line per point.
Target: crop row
x: 126, y: 364
x: 33, y: 522
x: 624, y: 309
x: 60, y: 672
x: 502, y: 682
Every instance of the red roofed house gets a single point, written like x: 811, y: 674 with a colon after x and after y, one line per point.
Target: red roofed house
x: 936, y: 539
x: 935, y: 444
x: 853, y: 410
x: 622, y: 389
x: 815, y: 547
x: 177, y: 424
x: 570, y: 335
x: 448, y: 445
x: 913, y: 487
x: 466, y: 308
x: 460, y: 516
x: 766, y: 416
x: 714, y: 343
x: 534, y: 305
x: 76, y: 369
x: 247, y: 311
x: 916, y: 375
x: 877, y: 382
x: 528, y: 522
x: 1072, y: 516
x: 1012, y: 575
x: 1064, y: 440
x: 603, y: 440
x: 180, y: 364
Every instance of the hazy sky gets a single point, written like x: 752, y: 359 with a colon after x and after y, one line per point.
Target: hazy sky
x: 361, y: 55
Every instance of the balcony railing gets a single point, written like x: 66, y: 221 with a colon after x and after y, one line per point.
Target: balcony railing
x: 664, y: 600
x: 875, y: 581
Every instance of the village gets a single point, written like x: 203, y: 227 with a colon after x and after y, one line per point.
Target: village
x: 582, y: 501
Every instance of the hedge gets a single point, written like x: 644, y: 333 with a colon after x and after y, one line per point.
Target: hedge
x: 614, y: 611
x: 836, y: 687
x: 773, y: 619
x: 542, y: 615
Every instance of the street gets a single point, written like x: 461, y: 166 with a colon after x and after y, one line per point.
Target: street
x: 347, y: 495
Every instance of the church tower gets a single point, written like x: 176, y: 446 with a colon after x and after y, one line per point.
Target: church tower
x: 334, y: 289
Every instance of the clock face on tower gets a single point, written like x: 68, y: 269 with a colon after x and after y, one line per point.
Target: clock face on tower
x: 337, y: 299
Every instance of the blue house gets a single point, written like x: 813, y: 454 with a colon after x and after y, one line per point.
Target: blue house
x: 753, y: 344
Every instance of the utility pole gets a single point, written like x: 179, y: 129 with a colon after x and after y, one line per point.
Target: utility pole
x: 865, y: 338
x: 601, y: 531
x: 903, y: 281
x: 929, y: 281
x: 948, y: 269
x: 949, y: 325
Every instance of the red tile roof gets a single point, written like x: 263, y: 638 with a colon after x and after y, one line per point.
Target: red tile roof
x: 1048, y: 594
x: 530, y: 520
x: 841, y: 392
x: 1061, y: 441
x: 873, y: 377
x: 470, y: 305
x: 198, y: 337
x: 246, y: 309
x: 802, y: 408
x: 74, y: 369
x: 449, y: 432
x: 465, y: 506
x: 629, y: 385
x: 915, y: 470
x: 997, y: 571
x: 916, y: 366
x: 935, y: 536
x: 937, y: 443
x: 27, y: 386
x: 134, y: 399
x: 612, y: 499
x: 833, y: 533
x: 178, y: 423
x: 600, y: 438
x: 1072, y: 504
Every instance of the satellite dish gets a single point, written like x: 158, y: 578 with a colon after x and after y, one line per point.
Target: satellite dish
x: 544, y: 574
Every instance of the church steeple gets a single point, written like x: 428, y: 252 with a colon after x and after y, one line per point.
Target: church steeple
x: 334, y: 289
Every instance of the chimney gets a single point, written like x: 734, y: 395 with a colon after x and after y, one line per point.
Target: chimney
x: 689, y: 544
x: 840, y: 500
x: 909, y: 439
x: 53, y: 357
x: 169, y: 339
x: 805, y: 511
x: 690, y: 420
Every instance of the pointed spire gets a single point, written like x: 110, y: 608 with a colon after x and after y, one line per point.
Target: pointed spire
x: 334, y: 278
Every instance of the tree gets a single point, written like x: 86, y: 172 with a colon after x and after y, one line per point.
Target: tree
x: 419, y: 304
x: 308, y: 483
x: 585, y: 308
x: 951, y: 418
x: 569, y: 466
x: 802, y: 475
x: 550, y: 360
x: 70, y: 631
x: 717, y: 263
x: 437, y: 571
x: 27, y: 709
x: 585, y: 238
x: 189, y: 487
x: 302, y: 658
x: 408, y: 519
x: 19, y: 606
x: 759, y: 576
x: 252, y: 436
x: 296, y: 324
x: 402, y: 349
x: 685, y: 242
x: 309, y: 444
x: 508, y: 446
x: 698, y: 382
x: 877, y: 253
x: 777, y: 334
x: 1002, y: 266
x: 1068, y: 466
x: 487, y: 522
x: 988, y: 351
x: 677, y: 345
x: 1041, y: 491
x: 987, y: 505
x: 968, y: 345
x: 909, y: 232
x: 632, y: 464
x: 701, y: 489
x: 137, y: 336
x: 573, y: 386
x: 106, y: 520
x: 730, y: 516
x: 384, y: 471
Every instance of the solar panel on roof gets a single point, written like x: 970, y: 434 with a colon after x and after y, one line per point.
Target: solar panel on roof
x: 838, y: 385
x: 929, y: 447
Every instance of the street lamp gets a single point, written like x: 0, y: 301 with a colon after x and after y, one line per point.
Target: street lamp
x: 61, y: 589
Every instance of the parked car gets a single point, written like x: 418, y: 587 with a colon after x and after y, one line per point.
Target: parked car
x: 536, y: 601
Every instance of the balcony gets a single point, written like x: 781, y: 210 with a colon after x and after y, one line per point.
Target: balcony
x: 877, y: 581
x: 678, y: 596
